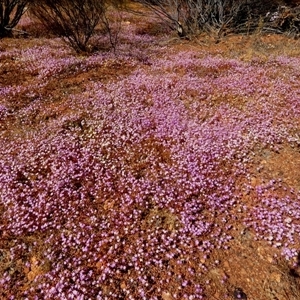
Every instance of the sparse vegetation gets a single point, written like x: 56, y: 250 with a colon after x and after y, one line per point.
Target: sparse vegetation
x: 220, y: 17
x: 75, y: 21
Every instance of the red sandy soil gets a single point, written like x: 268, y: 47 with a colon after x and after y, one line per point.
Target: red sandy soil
x: 249, y: 266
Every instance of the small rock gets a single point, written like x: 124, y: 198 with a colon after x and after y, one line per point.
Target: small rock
x: 254, y: 181
x: 99, y: 264
x: 276, y: 277
x: 226, y: 265
x: 31, y: 275
x: 217, y: 273
x: 34, y: 260
x: 244, y: 272
x: 288, y: 220
x: 123, y: 285
x: 270, y: 259
x: 166, y: 295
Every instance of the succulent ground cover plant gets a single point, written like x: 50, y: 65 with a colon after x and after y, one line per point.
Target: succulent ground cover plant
x: 165, y: 172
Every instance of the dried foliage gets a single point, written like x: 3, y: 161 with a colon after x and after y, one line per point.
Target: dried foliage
x: 11, y: 12
x: 286, y: 19
x: 223, y: 16
x: 75, y: 21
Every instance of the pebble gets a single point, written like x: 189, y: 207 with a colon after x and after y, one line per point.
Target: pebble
x: 166, y: 295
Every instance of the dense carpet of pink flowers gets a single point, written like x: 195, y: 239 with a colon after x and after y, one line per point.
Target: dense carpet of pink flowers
x: 123, y: 194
